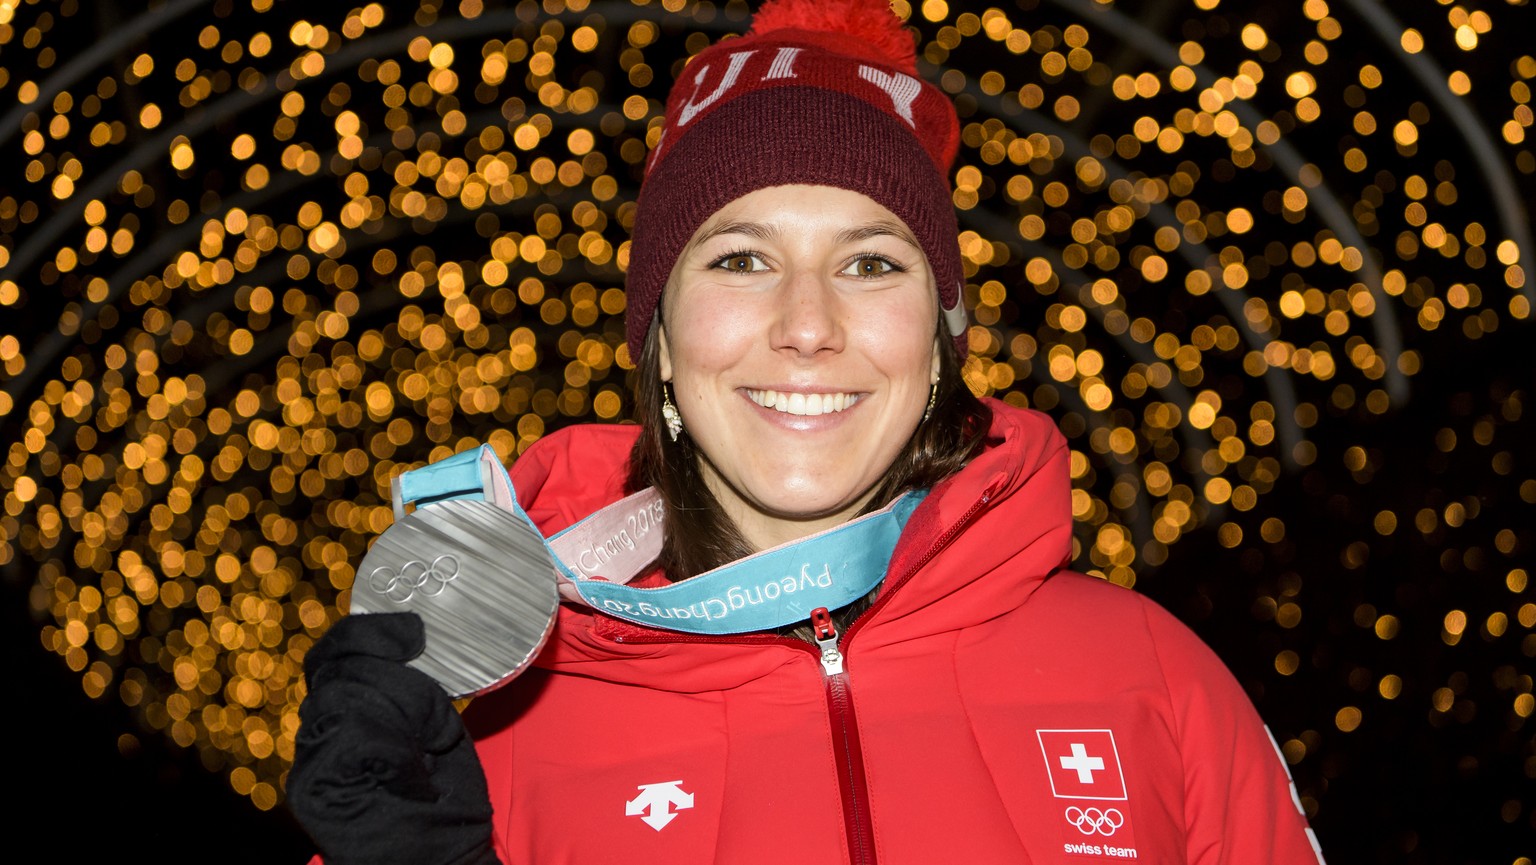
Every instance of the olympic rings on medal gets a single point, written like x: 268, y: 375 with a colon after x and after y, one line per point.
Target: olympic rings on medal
x: 1091, y: 820
x: 414, y: 576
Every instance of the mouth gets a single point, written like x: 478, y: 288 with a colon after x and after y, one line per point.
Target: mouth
x: 804, y: 404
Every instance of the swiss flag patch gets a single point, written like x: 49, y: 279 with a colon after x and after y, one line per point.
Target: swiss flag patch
x: 1083, y: 764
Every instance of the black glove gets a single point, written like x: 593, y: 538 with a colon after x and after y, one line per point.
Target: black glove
x: 383, y: 771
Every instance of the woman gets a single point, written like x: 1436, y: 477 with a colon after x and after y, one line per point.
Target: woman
x: 794, y: 303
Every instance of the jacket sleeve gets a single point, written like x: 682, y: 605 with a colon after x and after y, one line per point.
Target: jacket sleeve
x: 1240, y: 805
x: 489, y: 721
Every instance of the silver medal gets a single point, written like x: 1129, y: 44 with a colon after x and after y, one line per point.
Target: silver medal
x: 480, y: 578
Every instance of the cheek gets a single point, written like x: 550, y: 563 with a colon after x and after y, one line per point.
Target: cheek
x: 900, y: 342
x: 706, y: 337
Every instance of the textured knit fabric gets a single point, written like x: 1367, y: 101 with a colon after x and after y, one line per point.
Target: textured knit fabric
x: 797, y: 106
x: 994, y: 708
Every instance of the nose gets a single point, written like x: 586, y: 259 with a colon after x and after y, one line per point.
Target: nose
x: 808, y: 315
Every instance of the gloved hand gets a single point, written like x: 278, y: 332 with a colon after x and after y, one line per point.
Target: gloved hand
x: 383, y: 771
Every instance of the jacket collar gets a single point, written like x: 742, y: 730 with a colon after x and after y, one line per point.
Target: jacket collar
x: 977, y: 547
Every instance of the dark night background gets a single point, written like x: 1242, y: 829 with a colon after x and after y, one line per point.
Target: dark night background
x: 1438, y: 773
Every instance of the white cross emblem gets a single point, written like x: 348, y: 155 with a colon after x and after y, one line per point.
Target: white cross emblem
x: 1082, y: 764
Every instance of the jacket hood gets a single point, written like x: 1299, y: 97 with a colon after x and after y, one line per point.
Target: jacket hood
x: 976, y: 548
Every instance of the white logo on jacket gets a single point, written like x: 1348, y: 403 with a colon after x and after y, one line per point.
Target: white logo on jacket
x: 1091, y: 820
x: 659, y: 803
x: 1083, y: 764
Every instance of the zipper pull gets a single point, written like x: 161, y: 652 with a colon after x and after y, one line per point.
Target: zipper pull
x: 826, y: 638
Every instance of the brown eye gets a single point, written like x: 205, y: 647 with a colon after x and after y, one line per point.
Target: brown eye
x: 740, y: 262
x: 870, y: 266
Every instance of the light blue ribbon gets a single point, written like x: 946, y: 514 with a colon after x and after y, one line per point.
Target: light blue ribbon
x: 764, y: 591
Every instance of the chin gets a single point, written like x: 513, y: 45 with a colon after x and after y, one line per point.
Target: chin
x: 812, y: 501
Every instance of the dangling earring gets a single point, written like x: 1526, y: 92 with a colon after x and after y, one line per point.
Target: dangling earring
x: 933, y: 397
x: 669, y: 412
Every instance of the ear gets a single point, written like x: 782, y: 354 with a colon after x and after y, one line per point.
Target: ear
x: 665, y: 355
x: 938, y: 346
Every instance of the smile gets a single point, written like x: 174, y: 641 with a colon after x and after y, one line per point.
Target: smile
x: 808, y: 404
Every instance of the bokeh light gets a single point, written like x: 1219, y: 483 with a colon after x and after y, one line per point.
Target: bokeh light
x: 257, y: 258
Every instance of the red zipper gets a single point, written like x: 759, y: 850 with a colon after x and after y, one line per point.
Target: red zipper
x: 857, y: 822
x: 852, y: 785
x: 845, y: 743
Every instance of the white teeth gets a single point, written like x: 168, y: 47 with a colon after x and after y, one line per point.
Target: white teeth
x: 805, y: 404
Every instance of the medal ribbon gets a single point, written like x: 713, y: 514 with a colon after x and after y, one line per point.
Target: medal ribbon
x: 596, y: 557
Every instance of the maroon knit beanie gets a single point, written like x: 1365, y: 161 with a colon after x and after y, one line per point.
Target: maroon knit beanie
x: 820, y: 92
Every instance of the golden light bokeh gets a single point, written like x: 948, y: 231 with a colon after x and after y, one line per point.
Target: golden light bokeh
x: 257, y: 258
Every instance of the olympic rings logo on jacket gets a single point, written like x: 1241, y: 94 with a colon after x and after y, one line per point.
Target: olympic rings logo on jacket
x: 1091, y: 820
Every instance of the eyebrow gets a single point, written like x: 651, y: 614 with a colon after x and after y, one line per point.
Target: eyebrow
x: 764, y: 231
x: 751, y: 229
x: 877, y: 229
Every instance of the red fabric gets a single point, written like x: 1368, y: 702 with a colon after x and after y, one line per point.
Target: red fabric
x: 870, y: 23
x: 953, y: 677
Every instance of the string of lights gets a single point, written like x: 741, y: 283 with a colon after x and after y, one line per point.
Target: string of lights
x: 257, y: 258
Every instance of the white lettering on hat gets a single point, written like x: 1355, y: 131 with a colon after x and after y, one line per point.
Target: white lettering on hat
x: 732, y: 72
x: 783, y: 63
x: 903, y: 90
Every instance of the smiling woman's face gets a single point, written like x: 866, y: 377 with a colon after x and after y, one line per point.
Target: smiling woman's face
x: 799, y: 335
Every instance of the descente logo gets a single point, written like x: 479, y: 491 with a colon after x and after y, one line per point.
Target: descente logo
x: 659, y: 803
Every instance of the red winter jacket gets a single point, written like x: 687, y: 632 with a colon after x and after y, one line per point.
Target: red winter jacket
x: 994, y: 707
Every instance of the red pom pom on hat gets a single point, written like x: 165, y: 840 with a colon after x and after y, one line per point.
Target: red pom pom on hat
x: 877, y: 33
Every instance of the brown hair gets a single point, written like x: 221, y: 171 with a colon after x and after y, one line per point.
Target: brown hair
x: 700, y: 537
